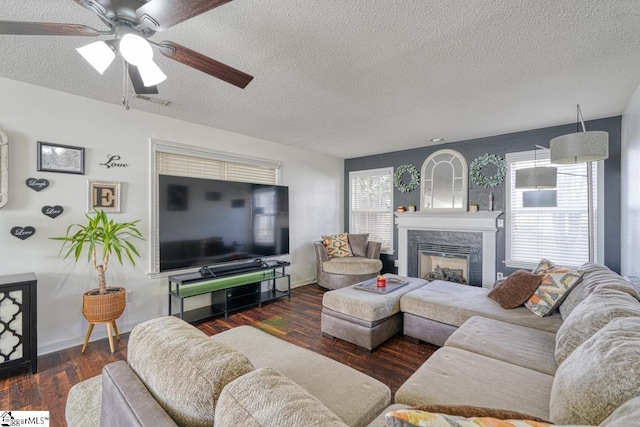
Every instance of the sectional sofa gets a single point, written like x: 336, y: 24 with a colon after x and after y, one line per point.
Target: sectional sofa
x: 581, y: 367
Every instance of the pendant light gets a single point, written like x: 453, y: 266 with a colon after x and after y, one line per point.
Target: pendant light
x: 582, y: 147
x: 537, y: 178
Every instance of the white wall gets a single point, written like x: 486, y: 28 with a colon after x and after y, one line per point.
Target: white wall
x: 630, y: 177
x: 29, y: 114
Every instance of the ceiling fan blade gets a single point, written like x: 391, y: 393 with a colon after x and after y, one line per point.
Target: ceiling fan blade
x: 205, y: 64
x: 159, y: 15
x: 48, y: 29
x: 138, y: 85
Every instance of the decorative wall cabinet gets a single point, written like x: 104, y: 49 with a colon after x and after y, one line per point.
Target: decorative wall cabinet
x: 18, y: 324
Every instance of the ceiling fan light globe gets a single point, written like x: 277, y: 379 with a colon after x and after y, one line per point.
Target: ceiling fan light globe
x: 135, y: 49
x: 98, y: 54
x: 151, y: 74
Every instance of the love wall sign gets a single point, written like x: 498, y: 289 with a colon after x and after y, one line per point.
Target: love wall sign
x: 23, y: 233
x: 52, y: 211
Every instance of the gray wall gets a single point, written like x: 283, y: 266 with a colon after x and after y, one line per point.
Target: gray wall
x: 500, y: 145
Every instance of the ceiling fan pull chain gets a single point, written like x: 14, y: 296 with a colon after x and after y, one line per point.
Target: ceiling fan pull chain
x: 125, y: 73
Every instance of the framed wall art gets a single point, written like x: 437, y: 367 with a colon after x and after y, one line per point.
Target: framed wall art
x: 103, y: 196
x: 60, y: 158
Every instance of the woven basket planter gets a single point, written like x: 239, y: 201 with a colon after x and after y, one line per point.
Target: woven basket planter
x: 98, y: 308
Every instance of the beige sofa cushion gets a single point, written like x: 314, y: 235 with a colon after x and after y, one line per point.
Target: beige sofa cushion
x: 600, y: 375
x: 599, y: 308
x: 83, y: 403
x: 594, y: 275
x: 458, y: 377
x: 625, y: 415
x: 265, y: 397
x: 454, y: 304
x: 352, y: 265
x: 353, y: 396
x: 515, y: 344
x: 369, y: 306
x: 163, y: 349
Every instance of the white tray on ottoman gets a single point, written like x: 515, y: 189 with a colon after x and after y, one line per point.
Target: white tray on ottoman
x: 366, y: 319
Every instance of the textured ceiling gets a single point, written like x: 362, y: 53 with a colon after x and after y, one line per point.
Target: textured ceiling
x: 359, y: 77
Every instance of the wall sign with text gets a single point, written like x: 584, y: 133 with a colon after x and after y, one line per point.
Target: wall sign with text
x: 23, y: 233
x: 103, y: 196
x: 114, y: 161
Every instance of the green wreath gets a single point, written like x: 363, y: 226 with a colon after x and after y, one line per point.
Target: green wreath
x: 488, y: 181
x: 411, y: 185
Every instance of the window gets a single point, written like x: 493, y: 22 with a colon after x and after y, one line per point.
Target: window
x: 371, y: 205
x: 549, y: 224
x: 183, y: 160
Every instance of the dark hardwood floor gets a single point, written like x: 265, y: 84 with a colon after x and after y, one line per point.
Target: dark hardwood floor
x: 296, y: 321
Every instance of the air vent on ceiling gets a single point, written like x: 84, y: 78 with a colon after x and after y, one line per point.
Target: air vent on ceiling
x: 162, y: 102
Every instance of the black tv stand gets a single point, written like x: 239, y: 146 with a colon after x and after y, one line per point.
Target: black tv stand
x: 231, y: 287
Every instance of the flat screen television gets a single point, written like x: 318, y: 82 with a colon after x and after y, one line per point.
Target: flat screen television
x: 205, y: 222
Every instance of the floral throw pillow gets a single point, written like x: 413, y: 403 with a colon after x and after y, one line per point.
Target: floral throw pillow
x: 543, y: 266
x: 417, y: 418
x: 337, y: 245
x: 556, y: 284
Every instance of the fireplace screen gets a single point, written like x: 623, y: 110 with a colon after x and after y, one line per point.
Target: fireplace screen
x: 443, y: 262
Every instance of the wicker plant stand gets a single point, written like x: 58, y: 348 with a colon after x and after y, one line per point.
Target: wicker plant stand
x: 105, y: 309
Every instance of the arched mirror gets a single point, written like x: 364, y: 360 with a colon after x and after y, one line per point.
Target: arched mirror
x: 444, y: 181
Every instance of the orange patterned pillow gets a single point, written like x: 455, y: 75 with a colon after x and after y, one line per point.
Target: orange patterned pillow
x: 337, y: 245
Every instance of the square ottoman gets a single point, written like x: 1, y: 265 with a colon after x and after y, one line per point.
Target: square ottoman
x: 366, y: 319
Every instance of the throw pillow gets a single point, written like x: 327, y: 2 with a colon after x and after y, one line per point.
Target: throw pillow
x: 543, y: 266
x: 477, y: 411
x: 516, y: 289
x: 417, y: 418
x: 265, y: 397
x: 598, y: 309
x: 337, y: 245
x: 599, y: 376
x: 358, y: 243
x: 555, y: 286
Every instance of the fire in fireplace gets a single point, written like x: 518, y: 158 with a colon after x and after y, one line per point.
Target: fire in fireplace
x: 443, y: 262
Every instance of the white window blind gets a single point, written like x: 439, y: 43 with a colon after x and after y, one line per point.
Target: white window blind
x: 558, y: 233
x: 371, y: 205
x: 205, y: 167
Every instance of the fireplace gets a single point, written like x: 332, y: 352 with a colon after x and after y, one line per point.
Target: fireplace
x: 443, y: 262
x: 476, y: 230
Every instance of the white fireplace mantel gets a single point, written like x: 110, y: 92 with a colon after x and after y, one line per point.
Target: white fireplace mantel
x: 470, y: 222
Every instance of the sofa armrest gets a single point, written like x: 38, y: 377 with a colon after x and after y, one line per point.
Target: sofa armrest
x: 127, y: 402
x: 321, y: 252
x: 373, y: 249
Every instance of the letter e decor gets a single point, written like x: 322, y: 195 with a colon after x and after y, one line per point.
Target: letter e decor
x: 103, y: 196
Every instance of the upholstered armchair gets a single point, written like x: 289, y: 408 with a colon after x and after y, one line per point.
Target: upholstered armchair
x: 338, y: 272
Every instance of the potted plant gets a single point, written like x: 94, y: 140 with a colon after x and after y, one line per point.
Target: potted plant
x: 473, y: 207
x: 103, y: 304
x: 412, y: 207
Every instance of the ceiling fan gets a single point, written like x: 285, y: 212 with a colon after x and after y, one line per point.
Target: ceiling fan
x: 132, y: 23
